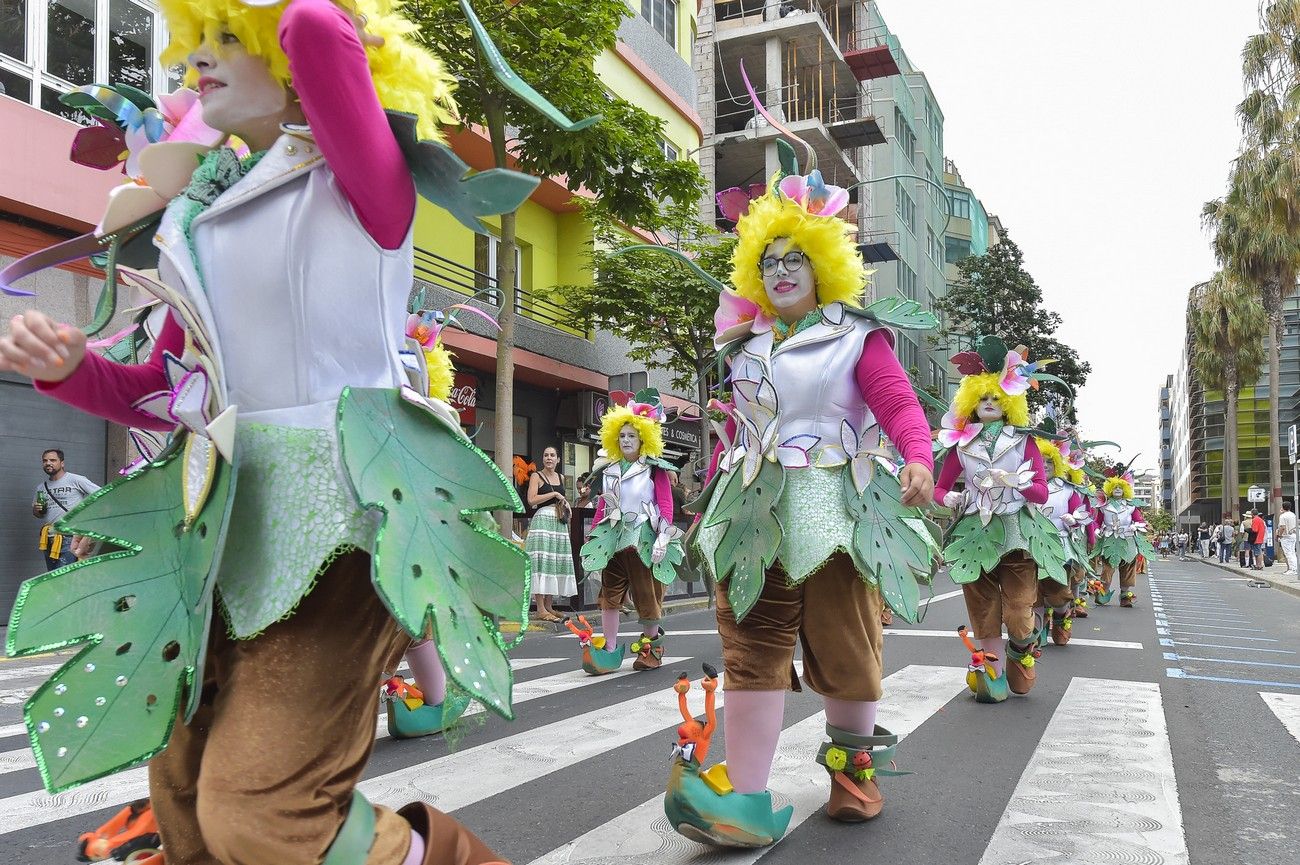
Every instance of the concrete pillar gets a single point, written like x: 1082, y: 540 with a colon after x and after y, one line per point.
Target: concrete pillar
x: 703, y: 61
x: 774, y: 90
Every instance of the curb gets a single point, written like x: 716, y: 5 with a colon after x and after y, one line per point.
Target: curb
x: 671, y: 608
x: 1276, y: 582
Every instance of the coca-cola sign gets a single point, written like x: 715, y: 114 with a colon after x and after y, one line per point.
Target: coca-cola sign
x: 464, y: 397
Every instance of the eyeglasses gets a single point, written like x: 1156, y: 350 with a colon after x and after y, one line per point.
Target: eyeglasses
x: 792, y: 261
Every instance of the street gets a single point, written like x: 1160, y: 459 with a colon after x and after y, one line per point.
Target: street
x: 1165, y: 734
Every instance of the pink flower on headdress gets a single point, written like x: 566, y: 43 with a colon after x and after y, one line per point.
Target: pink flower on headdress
x: 1015, y: 378
x: 734, y: 202
x: 646, y: 410
x: 813, y: 195
x: 957, y: 431
x: 424, y: 329
x: 737, y: 316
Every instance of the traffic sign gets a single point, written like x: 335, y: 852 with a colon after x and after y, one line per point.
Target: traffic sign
x: 1256, y: 494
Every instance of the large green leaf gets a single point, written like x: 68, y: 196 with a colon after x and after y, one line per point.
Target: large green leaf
x: 897, y: 311
x: 1116, y: 549
x: 752, y: 534
x: 606, y: 539
x: 891, y: 542
x: 1144, y: 546
x: 974, y: 548
x: 431, y: 557
x: 1043, y: 542
x: 145, y: 609
x: 1079, y: 552
x: 665, y: 571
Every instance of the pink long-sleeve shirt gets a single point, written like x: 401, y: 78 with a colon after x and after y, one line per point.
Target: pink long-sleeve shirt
x: 332, y: 81
x: 887, y: 391
x: 663, y: 497
x: 1036, y: 492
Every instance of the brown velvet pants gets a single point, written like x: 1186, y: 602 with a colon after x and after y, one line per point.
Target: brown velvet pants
x: 263, y: 775
x: 626, y: 569
x: 1005, y: 595
x: 834, y: 613
x: 1127, y: 574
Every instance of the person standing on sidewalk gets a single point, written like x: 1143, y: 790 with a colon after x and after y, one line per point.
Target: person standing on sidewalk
x: 59, y: 493
x: 1203, y: 540
x: 1286, y: 534
x: 1257, y: 532
x: 1227, y: 532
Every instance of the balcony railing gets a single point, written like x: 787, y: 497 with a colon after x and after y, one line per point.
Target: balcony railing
x: 801, y: 99
x: 438, y: 271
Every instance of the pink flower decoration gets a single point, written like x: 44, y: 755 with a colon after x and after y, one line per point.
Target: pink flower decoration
x: 1014, y: 381
x: 737, y: 316
x: 814, y: 195
x: 957, y: 431
x: 423, y: 329
x: 184, y: 117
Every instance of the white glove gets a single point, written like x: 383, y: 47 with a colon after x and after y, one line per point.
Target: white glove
x: 660, y: 549
x: 952, y: 499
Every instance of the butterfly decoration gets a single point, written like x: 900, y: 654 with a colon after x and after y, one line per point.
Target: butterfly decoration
x: 734, y: 203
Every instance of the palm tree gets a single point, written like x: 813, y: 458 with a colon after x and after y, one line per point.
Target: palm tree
x: 1227, y: 327
x: 1257, y: 224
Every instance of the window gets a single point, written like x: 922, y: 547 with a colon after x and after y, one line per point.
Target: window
x: 486, y: 250
x: 908, y: 355
x: 935, y: 122
x: 905, y: 136
x: 955, y: 249
x: 905, y: 206
x: 662, y: 15
x: 906, y: 281
x: 932, y: 245
x: 48, y: 47
x: 960, y: 203
x: 670, y: 152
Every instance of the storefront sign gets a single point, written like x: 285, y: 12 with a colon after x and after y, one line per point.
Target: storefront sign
x: 685, y: 434
x: 464, y: 397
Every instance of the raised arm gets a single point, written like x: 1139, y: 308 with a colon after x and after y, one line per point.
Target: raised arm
x: 332, y: 80
x: 888, y: 393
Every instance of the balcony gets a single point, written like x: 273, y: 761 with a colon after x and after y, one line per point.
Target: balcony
x: 434, y: 270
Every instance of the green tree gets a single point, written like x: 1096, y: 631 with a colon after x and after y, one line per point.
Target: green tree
x: 1159, y: 521
x: 658, y: 304
x: 995, y: 295
x: 553, y: 45
x: 1257, y: 224
x: 1228, y: 327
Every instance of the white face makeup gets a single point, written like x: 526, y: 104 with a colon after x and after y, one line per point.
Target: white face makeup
x: 989, y: 409
x: 791, y: 285
x: 238, y: 93
x: 629, y: 442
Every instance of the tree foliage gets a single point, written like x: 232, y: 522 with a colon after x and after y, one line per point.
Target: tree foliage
x: 1159, y: 520
x: 657, y: 303
x: 553, y: 45
x: 995, y: 295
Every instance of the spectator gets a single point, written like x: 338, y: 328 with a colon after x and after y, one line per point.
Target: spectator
x: 1181, y: 540
x: 584, y: 491
x: 1286, y: 533
x: 1203, y: 540
x: 548, y: 544
x: 679, y: 494
x: 1243, y: 530
x: 61, y: 492
x: 1163, y: 541
x: 1227, y: 532
x: 1257, y: 532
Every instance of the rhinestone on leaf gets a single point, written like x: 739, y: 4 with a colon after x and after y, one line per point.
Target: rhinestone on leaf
x: 60, y: 689
x: 58, y: 712
x: 43, y: 727
x: 83, y: 721
x: 120, y: 681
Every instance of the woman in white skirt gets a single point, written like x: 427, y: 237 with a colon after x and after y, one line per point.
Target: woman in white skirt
x: 548, y: 541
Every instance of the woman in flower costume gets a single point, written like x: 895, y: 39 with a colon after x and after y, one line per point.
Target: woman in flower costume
x: 354, y: 505
x: 1121, y: 538
x: 1067, y: 508
x: 809, y: 526
x: 633, y: 542
x: 999, y: 547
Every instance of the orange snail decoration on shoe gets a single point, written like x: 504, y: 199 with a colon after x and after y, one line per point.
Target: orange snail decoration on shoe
x: 1001, y: 544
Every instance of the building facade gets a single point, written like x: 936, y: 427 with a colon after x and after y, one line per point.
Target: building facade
x: 1164, y: 465
x: 49, y: 48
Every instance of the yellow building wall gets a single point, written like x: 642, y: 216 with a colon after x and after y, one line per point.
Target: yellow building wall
x: 554, y: 246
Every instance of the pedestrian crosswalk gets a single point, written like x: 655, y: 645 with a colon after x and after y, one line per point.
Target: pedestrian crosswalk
x: 1097, y: 782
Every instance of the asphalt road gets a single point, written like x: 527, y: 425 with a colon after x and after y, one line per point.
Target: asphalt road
x: 1160, y: 735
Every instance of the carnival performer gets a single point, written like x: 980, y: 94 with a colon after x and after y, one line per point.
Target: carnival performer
x: 798, y: 479
x: 633, y: 541
x: 999, y: 548
x: 1122, y: 538
x: 288, y: 486
x: 1067, y: 508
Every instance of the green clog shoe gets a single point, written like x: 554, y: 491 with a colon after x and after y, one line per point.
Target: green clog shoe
x: 697, y: 810
x: 426, y: 720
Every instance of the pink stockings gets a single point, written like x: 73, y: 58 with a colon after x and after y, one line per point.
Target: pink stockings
x: 995, y: 646
x: 609, y: 625
x: 416, y: 854
x: 427, y: 669
x: 752, y: 721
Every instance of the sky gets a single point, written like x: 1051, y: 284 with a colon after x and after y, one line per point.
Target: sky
x: 1095, y: 131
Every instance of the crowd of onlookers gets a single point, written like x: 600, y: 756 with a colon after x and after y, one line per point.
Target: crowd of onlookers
x: 1244, y: 539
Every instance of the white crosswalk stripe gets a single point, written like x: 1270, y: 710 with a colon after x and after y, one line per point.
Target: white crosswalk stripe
x: 643, y: 835
x: 1287, y: 709
x: 1100, y: 785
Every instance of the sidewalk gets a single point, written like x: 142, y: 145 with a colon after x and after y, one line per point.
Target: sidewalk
x: 1272, y: 576
x: 671, y: 608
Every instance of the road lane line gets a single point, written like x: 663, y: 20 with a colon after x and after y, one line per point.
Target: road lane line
x: 1287, y: 709
x: 1085, y: 798
x: 1178, y: 673
x: 1077, y: 641
x: 1168, y: 642
x: 1172, y: 656
x: 1172, y: 623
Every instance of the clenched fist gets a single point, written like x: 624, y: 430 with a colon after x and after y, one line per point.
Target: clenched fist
x: 39, y: 347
